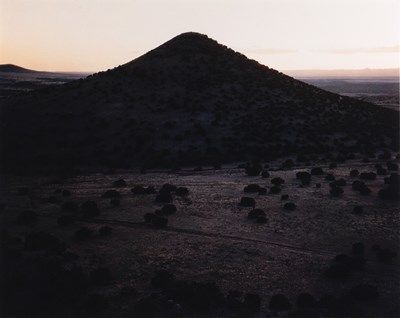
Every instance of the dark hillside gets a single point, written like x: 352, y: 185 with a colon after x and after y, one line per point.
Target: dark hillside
x: 11, y: 68
x: 189, y: 101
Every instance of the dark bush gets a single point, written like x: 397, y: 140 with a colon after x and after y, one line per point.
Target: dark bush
x: 233, y: 300
x: 358, y: 249
x: 367, y: 176
x: 329, y: 177
x: 275, y: 190
x: 100, y: 276
x: 265, y: 174
x: 95, y: 304
x: 148, y: 217
x: 164, y: 197
x: 115, y: 202
x: 289, y: 206
x: 392, y: 166
x: 358, y: 209
x: 354, y: 173
x: 261, y: 220
x: 105, y: 231
x: 251, y: 188
x: 317, y: 171
x: 277, y: 181
x: 287, y: 164
x: 279, y: 302
x: 111, y: 194
x: 380, y: 171
x: 304, y: 177
x: 338, y: 271
x: 83, y: 233
x: 253, y: 214
x: 253, y: 168
x: 306, y: 301
x: 167, y: 187
x: 364, y: 293
x: 384, y: 255
x: 66, y: 193
x: 52, y: 199
x: 159, y: 221
x: 284, y: 197
x: 23, y: 191
x: 41, y: 241
x: 168, y: 209
x: 65, y: 220
x: 332, y: 165
x: 70, y: 206
x: 182, y: 191
x: 27, y: 217
x: 262, y: 191
x: 336, y: 191
x: 252, y: 303
x: 162, y: 279
x: 90, y: 209
x: 119, y: 183
x: 247, y: 202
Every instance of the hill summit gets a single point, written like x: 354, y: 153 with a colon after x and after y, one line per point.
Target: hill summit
x: 189, y: 101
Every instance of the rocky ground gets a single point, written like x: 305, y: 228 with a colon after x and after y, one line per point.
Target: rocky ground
x: 73, y: 248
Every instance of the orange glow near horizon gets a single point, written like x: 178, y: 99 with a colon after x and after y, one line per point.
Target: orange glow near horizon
x: 94, y: 35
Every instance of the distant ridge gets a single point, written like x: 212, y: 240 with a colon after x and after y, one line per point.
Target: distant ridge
x: 190, y: 101
x: 11, y: 68
x: 367, y: 72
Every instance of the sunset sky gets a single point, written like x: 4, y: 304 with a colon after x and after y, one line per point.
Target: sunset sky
x: 94, y: 35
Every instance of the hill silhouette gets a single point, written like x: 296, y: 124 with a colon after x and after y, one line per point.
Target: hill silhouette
x: 189, y: 101
x: 11, y: 68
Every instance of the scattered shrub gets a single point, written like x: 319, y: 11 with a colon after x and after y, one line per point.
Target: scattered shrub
x: 100, y: 276
x: 168, y: 209
x: 105, y: 231
x: 277, y: 181
x: 354, y: 173
x: 70, y: 206
x: 148, y: 217
x: 279, y: 302
x: 289, y: 206
x: 252, y: 303
x: 261, y: 220
x: 306, y: 301
x: 275, y: 190
x: 182, y: 191
x: 159, y: 221
x: 119, y: 183
x: 358, y: 209
x: 115, y: 202
x: 247, y: 202
x: 23, y: 191
x: 367, y: 176
x: 90, y: 209
x: 27, y: 217
x: 253, y: 214
x: 251, y: 188
x: 265, y: 174
x: 66, y: 193
x: 364, y: 293
x: 336, y: 191
x: 65, y: 220
x: 111, y: 194
x: 83, y: 233
x: 317, y: 171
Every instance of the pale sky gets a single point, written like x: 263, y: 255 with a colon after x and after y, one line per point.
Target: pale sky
x: 94, y: 35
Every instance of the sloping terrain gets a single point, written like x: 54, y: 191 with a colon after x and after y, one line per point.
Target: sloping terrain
x: 189, y: 101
